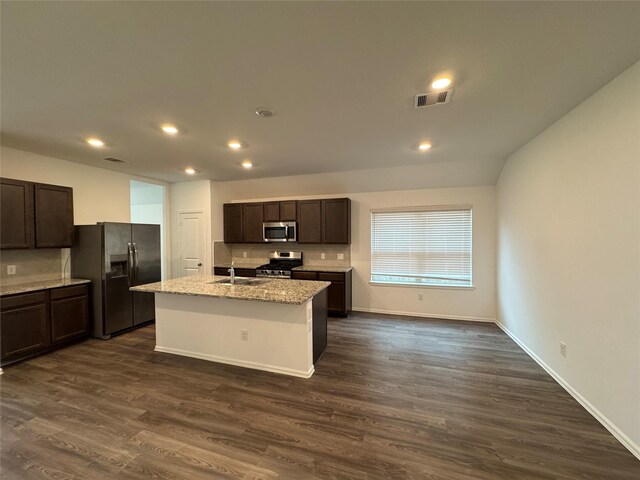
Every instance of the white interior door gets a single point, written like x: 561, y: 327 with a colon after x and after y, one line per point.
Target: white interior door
x: 191, y: 243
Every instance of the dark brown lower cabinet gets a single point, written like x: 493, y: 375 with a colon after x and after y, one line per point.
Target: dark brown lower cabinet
x: 24, y: 326
x: 339, y: 292
x: 38, y: 322
x: 240, y: 272
x: 69, y: 313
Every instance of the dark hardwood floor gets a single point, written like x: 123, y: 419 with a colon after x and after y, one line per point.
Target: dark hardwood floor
x: 392, y: 398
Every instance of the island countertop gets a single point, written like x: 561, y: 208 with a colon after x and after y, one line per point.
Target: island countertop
x: 294, y: 292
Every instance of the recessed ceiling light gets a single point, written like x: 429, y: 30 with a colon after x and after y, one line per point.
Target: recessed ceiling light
x: 424, y: 146
x: 247, y: 164
x: 169, y: 129
x: 95, y: 142
x: 441, y: 83
x: 264, y: 112
x: 235, y: 144
x: 189, y: 171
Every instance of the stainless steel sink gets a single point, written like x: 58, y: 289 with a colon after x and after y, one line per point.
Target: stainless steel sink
x: 245, y: 281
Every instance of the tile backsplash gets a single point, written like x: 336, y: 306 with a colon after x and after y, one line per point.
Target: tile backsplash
x: 32, y: 265
x: 312, y: 254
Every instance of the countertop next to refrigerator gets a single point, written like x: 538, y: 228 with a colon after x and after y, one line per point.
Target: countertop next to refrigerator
x: 40, y: 285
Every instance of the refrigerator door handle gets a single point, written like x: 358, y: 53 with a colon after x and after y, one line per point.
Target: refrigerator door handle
x: 136, y: 261
x: 130, y: 263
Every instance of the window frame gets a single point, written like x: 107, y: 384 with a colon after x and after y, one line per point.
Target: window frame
x: 424, y: 208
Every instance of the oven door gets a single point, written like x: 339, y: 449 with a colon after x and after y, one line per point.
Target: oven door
x: 279, y: 232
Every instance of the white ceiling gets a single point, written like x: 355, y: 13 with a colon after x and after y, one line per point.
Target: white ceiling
x: 340, y: 75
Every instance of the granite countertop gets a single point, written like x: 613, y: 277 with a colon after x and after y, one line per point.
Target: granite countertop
x: 241, y: 265
x: 41, y: 285
x: 323, y: 268
x: 294, y: 292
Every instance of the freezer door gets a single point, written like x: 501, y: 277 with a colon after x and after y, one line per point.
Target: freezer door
x: 146, y: 254
x: 118, y: 303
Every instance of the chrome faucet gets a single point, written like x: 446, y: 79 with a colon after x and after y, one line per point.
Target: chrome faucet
x: 232, y: 272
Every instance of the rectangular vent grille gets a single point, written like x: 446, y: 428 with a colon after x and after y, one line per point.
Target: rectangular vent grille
x: 114, y: 160
x: 430, y: 99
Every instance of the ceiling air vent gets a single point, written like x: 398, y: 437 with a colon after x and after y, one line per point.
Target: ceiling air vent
x: 430, y: 99
x: 114, y: 160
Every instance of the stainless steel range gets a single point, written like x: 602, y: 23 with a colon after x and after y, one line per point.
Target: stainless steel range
x: 280, y: 264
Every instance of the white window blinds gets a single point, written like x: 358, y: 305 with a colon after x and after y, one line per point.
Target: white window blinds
x: 422, y: 246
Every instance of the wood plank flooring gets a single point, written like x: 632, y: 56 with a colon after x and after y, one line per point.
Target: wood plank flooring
x: 392, y: 398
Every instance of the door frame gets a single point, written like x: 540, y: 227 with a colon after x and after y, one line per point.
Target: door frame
x: 206, y: 260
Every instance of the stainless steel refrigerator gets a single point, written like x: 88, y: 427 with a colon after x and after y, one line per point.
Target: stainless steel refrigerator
x: 116, y: 256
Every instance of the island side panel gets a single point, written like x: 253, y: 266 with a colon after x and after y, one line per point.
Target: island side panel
x: 279, y: 335
x: 319, y: 306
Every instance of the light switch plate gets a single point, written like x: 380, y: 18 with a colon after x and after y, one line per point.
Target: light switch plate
x: 322, y: 256
x: 341, y: 256
x: 11, y: 269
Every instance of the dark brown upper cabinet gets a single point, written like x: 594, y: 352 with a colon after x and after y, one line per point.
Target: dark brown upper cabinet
x: 35, y: 215
x: 16, y: 214
x: 310, y: 221
x: 271, y: 211
x: 288, y: 211
x: 53, y: 216
x: 319, y: 221
x: 232, y: 213
x: 336, y: 221
x: 252, y: 218
x: 285, y: 211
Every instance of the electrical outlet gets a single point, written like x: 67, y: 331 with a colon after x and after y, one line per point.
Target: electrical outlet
x: 244, y: 335
x: 420, y: 297
x: 11, y: 269
x: 244, y: 254
x: 563, y: 349
x: 322, y: 256
x: 341, y: 256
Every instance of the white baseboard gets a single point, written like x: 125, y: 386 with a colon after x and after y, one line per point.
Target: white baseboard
x: 237, y: 363
x: 426, y: 315
x: 615, y: 431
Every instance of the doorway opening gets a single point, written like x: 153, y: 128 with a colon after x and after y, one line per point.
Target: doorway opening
x: 148, y: 206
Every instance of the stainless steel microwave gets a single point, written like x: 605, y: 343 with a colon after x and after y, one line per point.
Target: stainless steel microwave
x: 280, y: 232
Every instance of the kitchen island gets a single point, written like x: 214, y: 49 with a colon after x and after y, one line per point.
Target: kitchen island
x: 274, y: 325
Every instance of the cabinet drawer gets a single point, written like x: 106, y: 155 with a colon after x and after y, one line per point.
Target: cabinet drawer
x: 22, y: 300
x: 66, y: 292
x: 304, y: 275
x: 331, y: 277
x: 245, y: 272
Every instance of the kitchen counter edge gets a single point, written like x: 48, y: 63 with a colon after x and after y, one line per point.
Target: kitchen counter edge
x: 18, y: 288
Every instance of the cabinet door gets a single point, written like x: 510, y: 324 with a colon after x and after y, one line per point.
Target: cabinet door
x: 336, y: 221
x: 69, y: 318
x: 298, y: 275
x: 53, y: 216
x: 16, y: 214
x: 288, y: 211
x: 232, y: 213
x: 272, y: 211
x: 252, y: 215
x: 310, y: 221
x: 24, y: 330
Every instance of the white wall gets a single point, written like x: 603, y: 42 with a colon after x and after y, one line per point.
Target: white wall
x: 148, y: 206
x: 471, y: 304
x: 569, y: 252
x: 99, y: 195
x: 189, y: 197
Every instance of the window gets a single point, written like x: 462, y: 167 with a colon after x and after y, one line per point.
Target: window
x: 421, y: 246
